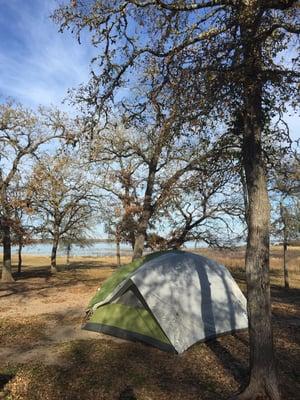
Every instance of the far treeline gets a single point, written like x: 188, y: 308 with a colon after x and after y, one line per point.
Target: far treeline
x: 180, y: 137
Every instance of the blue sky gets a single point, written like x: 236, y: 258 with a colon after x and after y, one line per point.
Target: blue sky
x: 37, y: 64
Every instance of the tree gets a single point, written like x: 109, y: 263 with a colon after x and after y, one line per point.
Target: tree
x: 22, y: 134
x: 286, y: 221
x: 236, y: 46
x: 142, y: 169
x: 115, y: 225
x: 21, y: 228
x: 207, y: 206
x: 114, y: 175
x: 154, y: 144
x: 61, y: 197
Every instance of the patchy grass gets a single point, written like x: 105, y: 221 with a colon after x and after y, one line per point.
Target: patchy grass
x: 106, y: 370
x: 234, y: 260
x: 27, y: 332
x: 102, y: 369
x: 22, y: 332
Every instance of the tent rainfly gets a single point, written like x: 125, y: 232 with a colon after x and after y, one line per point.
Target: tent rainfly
x: 170, y: 300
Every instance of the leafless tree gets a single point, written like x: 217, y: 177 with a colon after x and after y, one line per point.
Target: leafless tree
x: 61, y: 198
x: 285, y: 195
x: 233, y: 49
x: 208, y: 207
x: 22, y: 134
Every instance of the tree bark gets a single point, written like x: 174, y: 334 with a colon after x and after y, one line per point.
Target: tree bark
x: 283, y: 214
x: 263, y: 376
x: 118, y: 252
x: 263, y: 382
x: 176, y: 243
x: 68, y: 253
x: 20, y: 257
x: 285, y: 266
x: 139, y: 243
x: 53, y: 255
x: 6, y: 268
x: 146, y: 213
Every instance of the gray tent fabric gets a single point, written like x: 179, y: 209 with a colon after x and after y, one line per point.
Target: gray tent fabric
x: 191, y: 297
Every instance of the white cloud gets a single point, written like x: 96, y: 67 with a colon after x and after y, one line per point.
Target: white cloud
x: 37, y: 63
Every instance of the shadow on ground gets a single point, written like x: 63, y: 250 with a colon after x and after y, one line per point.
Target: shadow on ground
x: 131, y: 371
x: 38, y: 279
x: 102, y: 369
x: 106, y: 370
x: 4, y: 379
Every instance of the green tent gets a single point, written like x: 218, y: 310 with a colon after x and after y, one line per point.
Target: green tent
x: 170, y: 300
x: 129, y: 317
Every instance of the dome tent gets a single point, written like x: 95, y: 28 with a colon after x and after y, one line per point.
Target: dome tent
x: 170, y: 300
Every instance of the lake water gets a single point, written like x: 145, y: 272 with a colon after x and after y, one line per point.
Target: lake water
x: 94, y: 250
x: 100, y: 249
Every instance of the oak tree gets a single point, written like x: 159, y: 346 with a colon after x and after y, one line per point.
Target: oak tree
x: 22, y: 133
x: 285, y: 190
x: 237, y: 46
x: 61, y: 198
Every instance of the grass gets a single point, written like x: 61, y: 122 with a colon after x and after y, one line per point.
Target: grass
x: 24, y: 331
x: 110, y: 371
x: 102, y: 369
x: 234, y: 260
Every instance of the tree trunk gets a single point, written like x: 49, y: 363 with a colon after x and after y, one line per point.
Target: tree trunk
x: 68, y: 253
x: 20, y: 257
x: 176, y: 243
x: 263, y: 382
x: 285, y: 266
x: 139, y: 244
x: 132, y: 239
x: 263, y: 377
x: 118, y: 252
x: 147, y: 211
x: 6, y: 268
x: 284, y: 220
x: 53, y: 255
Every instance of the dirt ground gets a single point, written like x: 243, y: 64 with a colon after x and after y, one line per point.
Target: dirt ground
x: 45, y: 354
x: 47, y: 308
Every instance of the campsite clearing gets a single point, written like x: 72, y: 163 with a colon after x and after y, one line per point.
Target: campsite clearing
x: 45, y: 354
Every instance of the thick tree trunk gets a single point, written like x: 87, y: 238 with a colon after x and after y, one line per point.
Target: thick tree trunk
x: 285, y: 266
x: 6, y: 268
x: 20, y: 257
x: 263, y: 377
x: 53, y: 255
x: 263, y: 382
x: 139, y: 244
x: 147, y: 212
x: 132, y: 239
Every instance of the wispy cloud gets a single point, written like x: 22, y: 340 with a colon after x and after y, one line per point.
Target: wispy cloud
x: 37, y: 64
